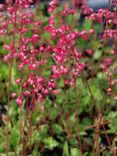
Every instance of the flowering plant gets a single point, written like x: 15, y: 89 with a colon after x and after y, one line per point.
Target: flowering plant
x: 59, y: 70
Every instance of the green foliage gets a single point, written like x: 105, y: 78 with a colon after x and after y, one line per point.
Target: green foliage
x: 57, y: 129
x: 87, y: 24
x: 69, y: 119
x: 97, y: 54
x: 65, y: 149
x: 50, y: 143
x: 75, y: 152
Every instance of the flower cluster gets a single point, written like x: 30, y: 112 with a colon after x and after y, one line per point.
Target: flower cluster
x: 111, y: 73
x: 56, y: 52
x: 107, y: 18
x: 35, y: 54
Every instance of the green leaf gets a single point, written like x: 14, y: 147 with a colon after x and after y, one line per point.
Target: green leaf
x: 95, y: 44
x: 87, y: 24
x: 65, y: 149
x: 54, y: 113
x: 42, y: 134
x: 75, y: 152
x: 2, y: 154
x: 73, y: 141
x: 11, y: 153
x: 94, y: 85
x: 4, y: 71
x: 97, y: 54
x: 73, y: 119
x: 36, y: 153
x: 50, y: 143
x: 14, y: 137
x: 112, y: 115
x: 57, y: 128
x: 2, y: 140
x: 113, y: 127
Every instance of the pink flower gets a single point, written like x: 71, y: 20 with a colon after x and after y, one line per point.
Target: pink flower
x: 17, y: 81
x: 19, y: 101
x: 13, y: 95
x: 35, y: 38
x: 104, y: 68
x: 108, y: 61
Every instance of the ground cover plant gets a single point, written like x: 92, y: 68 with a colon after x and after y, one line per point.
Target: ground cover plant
x: 58, y: 80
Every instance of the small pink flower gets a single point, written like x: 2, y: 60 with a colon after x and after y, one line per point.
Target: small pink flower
x: 90, y: 51
x: 56, y: 91
x: 18, y: 81
x: 42, y: 108
x: 19, y: 101
x: 104, y: 68
x: 41, y: 48
x: 109, y: 90
x: 35, y: 38
x: 50, y: 9
x: 108, y: 61
x: 27, y: 93
x: 13, y: 95
x: 91, y: 31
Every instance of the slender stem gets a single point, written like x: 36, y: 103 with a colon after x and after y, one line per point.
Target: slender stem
x: 23, y: 135
x: 97, y: 133
x: 76, y: 115
x: 2, y: 90
x: 8, y: 105
x: 9, y: 87
x: 94, y: 101
x: 29, y: 135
